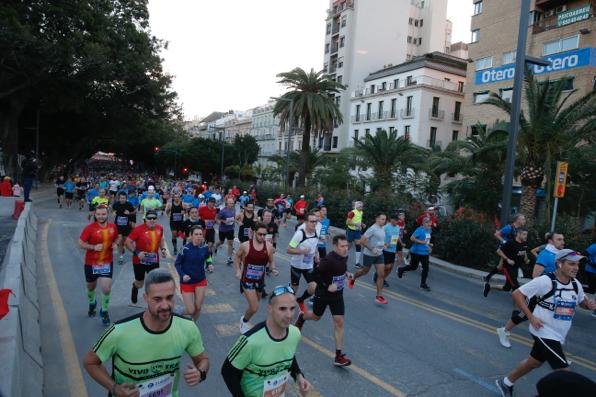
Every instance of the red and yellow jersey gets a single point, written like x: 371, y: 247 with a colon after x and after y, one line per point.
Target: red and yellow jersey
x: 146, y: 240
x: 95, y: 234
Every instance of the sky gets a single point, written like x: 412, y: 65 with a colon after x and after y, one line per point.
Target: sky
x: 225, y: 54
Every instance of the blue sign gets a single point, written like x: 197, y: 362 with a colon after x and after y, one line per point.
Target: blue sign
x: 563, y: 61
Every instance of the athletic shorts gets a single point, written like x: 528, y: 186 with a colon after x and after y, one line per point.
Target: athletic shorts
x: 189, y: 288
x: 549, y: 350
x: 388, y: 257
x: 59, y: 191
x: 124, y: 230
x: 369, y: 261
x: 242, y: 237
x: 322, y: 252
x: 399, y: 248
x: 91, y: 278
x: 353, y: 235
x: 80, y: 196
x: 69, y: 195
x: 336, y: 306
x: 295, y: 274
x: 113, y: 192
x: 223, y: 236
x: 258, y: 286
x: 209, y: 235
x: 177, y: 227
x: 140, y: 270
x: 511, y: 283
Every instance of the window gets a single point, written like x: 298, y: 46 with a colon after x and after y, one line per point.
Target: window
x: 327, y: 48
x: 328, y: 28
x: 368, y: 108
x: 480, y: 97
x: 419, y: 40
x: 379, y: 129
x: 435, y: 109
x: 421, y: 21
x: 340, y: 64
x: 433, y: 137
x: 344, y: 21
x: 339, y: 79
x: 457, y: 111
x: 409, y: 39
x: 475, y: 36
x: 478, y: 8
x: 391, y: 129
x: 367, y: 132
x: 357, y: 113
x: 407, y: 132
x: 337, y: 100
x: 416, y: 22
x: 383, y: 86
x: 356, y: 135
x: 565, y: 44
x: 380, y: 111
x: 396, y: 83
x: 506, y: 93
x: 393, y: 108
x: 372, y: 88
x: 567, y: 85
x: 342, y: 41
x: 410, y: 21
x: 484, y: 63
x: 460, y: 86
x: 409, y: 81
x: 476, y: 129
x: 334, y: 145
x: 454, y: 135
x: 509, y: 57
x: 409, y: 105
x: 570, y: 43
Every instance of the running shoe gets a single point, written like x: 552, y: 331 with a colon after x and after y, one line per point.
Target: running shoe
x: 381, y: 300
x: 264, y: 294
x: 504, y: 335
x: 229, y: 262
x: 91, y: 312
x: 358, y: 265
x: 299, y: 321
x: 506, y: 391
x: 425, y: 287
x: 341, y: 360
x: 134, y: 294
x: 486, y: 289
x: 301, y: 307
x: 244, y: 326
x: 105, y: 317
x: 400, y: 272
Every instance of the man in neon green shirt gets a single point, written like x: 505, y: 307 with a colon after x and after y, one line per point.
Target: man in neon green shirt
x: 146, y: 348
x: 150, y: 202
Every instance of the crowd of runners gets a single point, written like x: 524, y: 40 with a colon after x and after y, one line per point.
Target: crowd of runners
x: 124, y: 213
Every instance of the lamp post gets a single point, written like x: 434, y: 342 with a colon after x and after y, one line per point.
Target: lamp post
x: 290, y: 128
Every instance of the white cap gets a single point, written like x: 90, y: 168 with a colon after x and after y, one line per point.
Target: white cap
x: 151, y: 188
x: 569, y: 255
x: 302, y: 196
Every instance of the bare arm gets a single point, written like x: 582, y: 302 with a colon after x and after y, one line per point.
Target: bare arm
x: 271, y: 253
x: 98, y: 372
x: 502, y: 255
x: 498, y: 236
x: 537, y: 271
x: 239, y: 258
x: 130, y: 245
x: 86, y: 246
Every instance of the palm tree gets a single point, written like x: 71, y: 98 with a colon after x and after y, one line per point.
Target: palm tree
x: 387, y: 153
x: 314, y: 159
x: 548, y: 128
x: 315, y: 109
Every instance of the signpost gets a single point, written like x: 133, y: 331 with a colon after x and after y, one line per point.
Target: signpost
x: 559, y: 191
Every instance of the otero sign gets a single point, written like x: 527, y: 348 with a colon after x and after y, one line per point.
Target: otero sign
x: 572, y: 16
x: 559, y: 62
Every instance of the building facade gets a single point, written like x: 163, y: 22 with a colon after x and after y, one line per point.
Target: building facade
x: 265, y: 129
x: 364, y: 35
x: 420, y: 99
x: 560, y: 31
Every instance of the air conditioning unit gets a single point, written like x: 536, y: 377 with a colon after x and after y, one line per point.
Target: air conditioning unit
x: 561, y: 8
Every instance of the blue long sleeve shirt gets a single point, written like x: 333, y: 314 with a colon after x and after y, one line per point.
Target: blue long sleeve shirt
x: 191, y: 262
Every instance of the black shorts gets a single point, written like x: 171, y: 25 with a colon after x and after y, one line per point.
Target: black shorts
x: 140, y: 270
x: 177, y: 227
x: 336, y: 306
x: 81, y: 196
x: 242, y: 237
x: 223, y: 236
x: 124, y: 230
x: 295, y: 274
x: 550, y: 351
x: 399, y: 248
x: 257, y: 286
x: 69, y: 195
x: 209, y: 235
x: 59, y: 191
x: 388, y: 257
x: 91, y: 278
x: 322, y: 252
x: 511, y: 283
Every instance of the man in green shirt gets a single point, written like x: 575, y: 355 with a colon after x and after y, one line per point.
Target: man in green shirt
x: 150, y: 202
x: 146, y: 348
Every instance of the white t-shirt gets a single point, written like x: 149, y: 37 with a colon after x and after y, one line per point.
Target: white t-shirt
x: 376, y: 239
x: 310, y: 243
x: 318, y: 228
x: 557, y: 322
x: 114, y: 185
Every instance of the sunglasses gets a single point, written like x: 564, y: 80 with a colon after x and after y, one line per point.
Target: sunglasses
x: 151, y: 218
x: 280, y: 290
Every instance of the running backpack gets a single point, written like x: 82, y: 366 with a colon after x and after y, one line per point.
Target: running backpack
x: 542, y: 299
x: 304, y: 238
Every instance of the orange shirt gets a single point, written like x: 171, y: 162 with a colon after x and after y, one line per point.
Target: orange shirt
x: 146, y: 240
x: 95, y: 234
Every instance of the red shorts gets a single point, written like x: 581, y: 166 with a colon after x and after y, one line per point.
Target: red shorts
x: 191, y: 287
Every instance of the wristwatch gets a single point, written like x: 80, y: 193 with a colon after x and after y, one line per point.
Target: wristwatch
x: 203, y: 374
x: 113, y: 389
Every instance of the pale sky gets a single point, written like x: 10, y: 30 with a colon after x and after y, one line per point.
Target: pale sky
x: 224, y: 54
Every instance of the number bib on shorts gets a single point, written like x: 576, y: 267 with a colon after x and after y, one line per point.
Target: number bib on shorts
x: 246, y: 231
x: 177, y: 217
x: 209, y: 223
x: 157, y: 387
x: 101, y: 269
x: 255, y: 272
x: 564, y: 310
x: 275, y: 387
x: 339, y: 281
x: 122, y: 221
x: 150, y: 258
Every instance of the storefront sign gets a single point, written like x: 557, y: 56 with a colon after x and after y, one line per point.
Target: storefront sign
x: 572, y: 16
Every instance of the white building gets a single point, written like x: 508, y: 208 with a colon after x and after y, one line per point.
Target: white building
x: 365, y: 35
x: 265, y: 129
x: 421, y: 99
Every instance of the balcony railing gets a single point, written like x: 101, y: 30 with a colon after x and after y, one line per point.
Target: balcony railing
x: 332, y: 69
x: 452, y: 86
x: 344, y: 5
x: 335, y: 29
x: 436, y: 114
x: 457, y: 118
x: 407, y: 113
x: 334, y: 48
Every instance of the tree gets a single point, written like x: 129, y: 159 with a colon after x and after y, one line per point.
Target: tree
x: 315, y: 109
x: 549, y: 127
x: 387, y: 153
x: 246, y: 149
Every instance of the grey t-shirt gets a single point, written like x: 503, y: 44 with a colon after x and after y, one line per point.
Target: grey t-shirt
x: 376, y: 239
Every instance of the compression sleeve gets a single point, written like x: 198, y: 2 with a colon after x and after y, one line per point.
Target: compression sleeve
x: 295, y: 368
x: 232, y: 377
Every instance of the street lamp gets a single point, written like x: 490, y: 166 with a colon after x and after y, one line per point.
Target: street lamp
x: 290, y: 128
x: 520, y: 65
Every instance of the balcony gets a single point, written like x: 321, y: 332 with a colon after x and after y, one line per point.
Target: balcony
x: 334, y: 48
x: 332, y: 69
x: 356, y: 119
x: 407, y: 113
x: 419, y: 81
x: 335, y: 29
x: 436, y: 114
x: 339, y: 7
x: 457, y: 118
x: 563, y: 18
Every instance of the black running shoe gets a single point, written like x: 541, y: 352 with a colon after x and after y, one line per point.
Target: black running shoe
x: 134, y: 294
x: 506, y: 391
x: 425, y: 287
x: 299, y: 322
x: 91, y: 312
x: 486, y: 289
x: 400, y: 272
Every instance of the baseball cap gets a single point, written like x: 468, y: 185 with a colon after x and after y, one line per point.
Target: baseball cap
x: 151, y: 188
x: 211, y: 199
x: 431, y: 208
x: 150, y: 212
x: 569, y: 255
x: 302, y: 196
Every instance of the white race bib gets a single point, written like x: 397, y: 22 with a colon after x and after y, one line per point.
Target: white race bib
x: 101, y: 269
x: 275, y: 387
x: 150, y: 258
x: 255, y: 272
x: 122, y: 221
x: 157, y: 387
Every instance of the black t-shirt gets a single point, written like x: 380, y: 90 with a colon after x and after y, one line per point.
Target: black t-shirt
x: 515, y: 251
x: 188, y: 224
x: 332, y: 270
x: 272, y: 209
x: 119, y: 208
x: 60, y: 184
x: 81, y: 187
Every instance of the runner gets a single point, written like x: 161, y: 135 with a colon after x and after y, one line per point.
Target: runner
x: 193, y: 220
x: 145, y: 241
x: 401, y: 222
x: 69, y: 189
x: 262, y: 360
x: 430, y: 213
x: 392, y: 240
x: 514, y: 254
x: 250, y: 263
x: 281, y: 205
x: 325, y: 223
x: 81, y: 190
x: 151, y: 202
x: 300, y: 208
x: 207, y: 214
x: 97, y: 239
x: 225, y: 219
x: 245, y: 198
x: 246, y: 218
x: 175, y: 211
x: 59, y: 184
x: 373, y: 241
x: 558, y: 294
x: 114, y: 185
x: 331, y: 280
x: 590, y: 270
x: 271, y: 208
x: 303, y: 250
x: 101, y: 198
x: 124, y: 212
x: 190, y: 264
x: 420, y: 252
x: 271, y: 237
x: 150, y: 343
x: 354, y: 229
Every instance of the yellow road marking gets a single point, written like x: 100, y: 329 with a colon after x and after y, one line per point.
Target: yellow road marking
x: 225, y: 330
x: 72, y: 371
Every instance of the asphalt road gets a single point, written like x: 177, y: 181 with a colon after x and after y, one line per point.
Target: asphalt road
x: 439, y: 343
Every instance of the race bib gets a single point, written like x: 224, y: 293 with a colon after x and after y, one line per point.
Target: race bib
x: 209, y: 223
x: 308, y: 258
x: 427, y: 237
x: 177, y: 216
x: 394, y: 239
x: 246, y: 231
x: 101, y: 269
x: 339, y: 281
x: 150, y: 258
x: 229, y: 221
x: 564, y: 310
x: 157, y: 387
x: 275, y: 387
x: 122, y: 221
x: 255, y: 272
x: 269, y: 237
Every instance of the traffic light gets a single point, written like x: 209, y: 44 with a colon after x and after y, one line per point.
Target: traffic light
x: 184, y: 170
x: 156, y: 149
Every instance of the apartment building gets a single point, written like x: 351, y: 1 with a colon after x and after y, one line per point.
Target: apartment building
x: 421, y: 99
x: 265, y: 129
x: 365, y: 35
x: 560, y: 31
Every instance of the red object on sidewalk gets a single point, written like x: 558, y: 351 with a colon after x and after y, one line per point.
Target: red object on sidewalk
x: 19, y: 206
x: 4, y: 309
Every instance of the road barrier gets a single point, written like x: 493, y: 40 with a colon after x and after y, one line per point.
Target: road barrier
x: 21, y: 366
